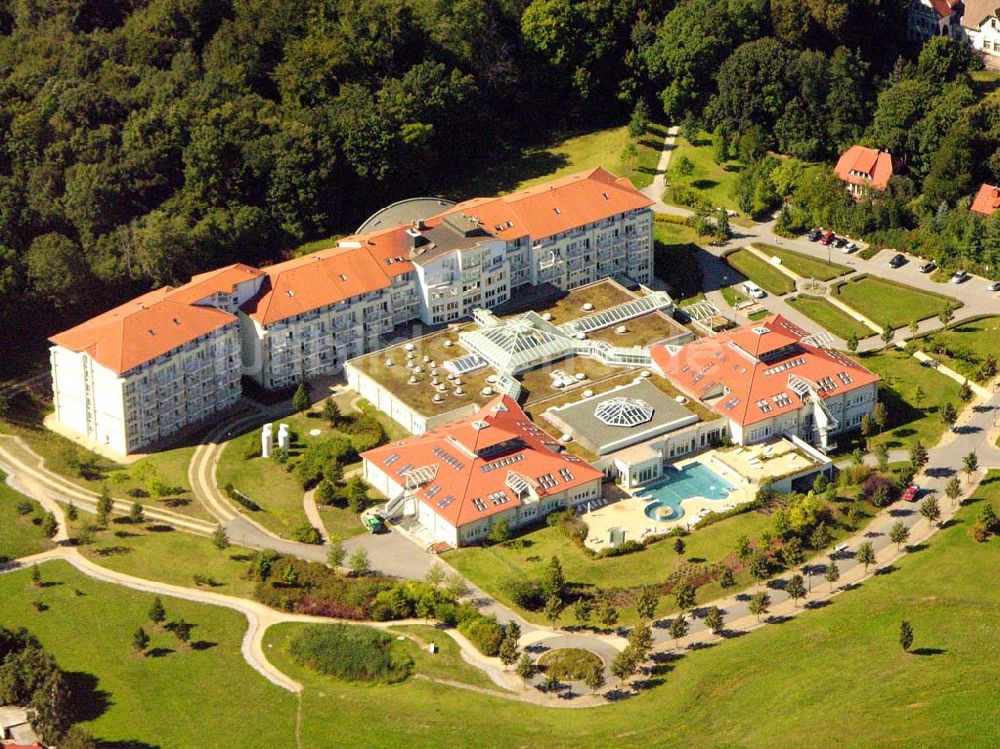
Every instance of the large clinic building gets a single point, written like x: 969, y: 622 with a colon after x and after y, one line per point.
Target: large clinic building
x: 139, y: 373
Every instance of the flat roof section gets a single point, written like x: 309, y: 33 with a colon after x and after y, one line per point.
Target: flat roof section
x: 404, y: 212
x: 621, y: 417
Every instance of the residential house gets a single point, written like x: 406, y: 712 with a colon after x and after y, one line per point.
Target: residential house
x: 865, y: 169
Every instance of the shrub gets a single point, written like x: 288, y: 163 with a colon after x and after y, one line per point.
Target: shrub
x: 241, y: 498
x: 351, y: 653
x: 306, y: 534
x: 315, y: 458
x: 879, y: 490
x: 526, y: 594
x: 484, y: 632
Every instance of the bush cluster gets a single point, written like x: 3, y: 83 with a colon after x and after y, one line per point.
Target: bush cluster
x: 351, y: 653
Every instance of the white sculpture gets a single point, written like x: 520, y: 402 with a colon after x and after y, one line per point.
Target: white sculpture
x: 266, y: 441
x: 284, y: 439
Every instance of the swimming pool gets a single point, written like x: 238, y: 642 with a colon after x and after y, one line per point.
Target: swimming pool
x: 693, y: 480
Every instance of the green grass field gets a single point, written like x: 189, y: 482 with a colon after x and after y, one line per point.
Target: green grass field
x: 886, y: 302
x: 713, y: 182
x: 832, y: 318
x: 760, y: 272
x: 912, y: 415
x: 170, y: 556
x: 491, y: 566
x: 733, y: 296
x: 276, y: 490
x: 675, y: 259
x: 173, y: 699
x: 169, y: 465
x: 20, y: 535
x: 804, y: 265
x: 964, y: 347
x: 829, y: 678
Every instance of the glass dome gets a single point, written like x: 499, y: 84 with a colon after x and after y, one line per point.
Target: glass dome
x: 624, y: 412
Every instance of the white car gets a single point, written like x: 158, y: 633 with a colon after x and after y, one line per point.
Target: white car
x: 849, y: 248
x: 993, y: 286
x: 753, y: 290
x: 959, y: 276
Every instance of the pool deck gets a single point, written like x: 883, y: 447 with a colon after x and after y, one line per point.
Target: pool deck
x: 629, y: 515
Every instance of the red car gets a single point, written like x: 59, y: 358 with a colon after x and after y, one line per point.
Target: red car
x: 828, y: 237
x: 910, y: 493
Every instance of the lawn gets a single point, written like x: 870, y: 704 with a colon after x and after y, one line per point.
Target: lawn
x: 965, y: 346
x: 832, y: 318
x: 912, y: 415
x: 713, y: 182
x: 164, y: 471
x: 736, y: 694
x: 270, y: 485
x: 760, y: 272
x: 887, y: 302
x: 804, y: 265
x: 20, y: 535
x: 490, y: 567
x: 675, y: 259
x: 156, y: 552
x: 169, y: 700
x: 733, y: 296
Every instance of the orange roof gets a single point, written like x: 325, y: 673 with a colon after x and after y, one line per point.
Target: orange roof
x: 987, y: 200
x: 142, y: 329
x: 389, y: 247
x: 556, y: 206
x: 865, y: 166
x: 224, y: 280
x: 746, y: 370
x: 470, y: 460
x: 313, y: 281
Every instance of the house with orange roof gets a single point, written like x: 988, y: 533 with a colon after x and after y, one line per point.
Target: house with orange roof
x: 772, y: 378
x: 141, y: 372
x: 929, y: 18
x: 458, y: 480
x: 865, y: 169
x: 987, y: 200
x: 307, y: 316
x: 315, y: 312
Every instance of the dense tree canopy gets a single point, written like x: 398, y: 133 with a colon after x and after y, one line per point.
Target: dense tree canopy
x: 144, y: 140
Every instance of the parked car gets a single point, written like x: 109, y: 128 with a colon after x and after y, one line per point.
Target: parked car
x: 374, y: 524
x: 959, y: 276
x: 814, y: 235
x: 850, y: 247
x: 753, y: 290
x: 828, y: 237
x: 911, y: 493
x: 927, y: 267
x: 897, y: 261
x: 840, y: 242
x: 993, y: 286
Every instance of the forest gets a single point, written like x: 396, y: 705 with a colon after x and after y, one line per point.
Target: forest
x: 142, y: 141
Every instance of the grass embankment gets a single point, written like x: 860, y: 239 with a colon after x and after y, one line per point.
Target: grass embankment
x: 830, y: 317
x: 158, y: 552
x: 491, y: 567
x: 675, y: 260
x: 760, y: 272
x: 914, y: 394
x: 887, y: 302
x: 734, y: 694
x: 711, y: 182
x: 160, y: 478
x: 134, y: 701
x: 20, y: 533
x: 966, y: 346
x: 805, y: 265
x: 275, y: 489
x: 569, y: 664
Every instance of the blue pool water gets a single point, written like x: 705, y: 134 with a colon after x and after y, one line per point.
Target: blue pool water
x: 694, y: 480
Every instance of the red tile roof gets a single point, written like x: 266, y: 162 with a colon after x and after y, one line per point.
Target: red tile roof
x: 556, y: 206
x: 875, y: 167
x: 987, y: 200
x: 223, y: 280
x: 473, y: 457
x: 747, y: 370
x: 142, y: 329
x: 942, y: 7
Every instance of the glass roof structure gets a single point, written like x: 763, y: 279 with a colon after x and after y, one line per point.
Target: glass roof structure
x: 624, y: 412
x: 618, y: 313
x: 515, y: 344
